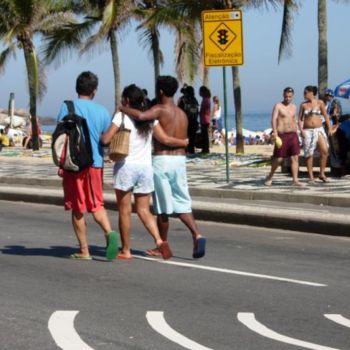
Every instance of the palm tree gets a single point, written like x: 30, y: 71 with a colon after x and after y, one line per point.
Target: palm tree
x: 102, y: 19
x: 157, y: 13
x: 149, y: 36
x: 191, y: 10
x: 20, y: 22
x: 290, y: 6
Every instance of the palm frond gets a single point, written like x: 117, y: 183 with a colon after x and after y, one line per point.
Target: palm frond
x: 285, y: 46
x: 5, y: 55
x: 58, y: 45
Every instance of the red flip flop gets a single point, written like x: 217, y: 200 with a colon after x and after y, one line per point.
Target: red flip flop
x: 165, y: 251
x: 155, y: 253
x: 122, y: 257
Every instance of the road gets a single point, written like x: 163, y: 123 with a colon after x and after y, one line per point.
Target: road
x: 256, y: 288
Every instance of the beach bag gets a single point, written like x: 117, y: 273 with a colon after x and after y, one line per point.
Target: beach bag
x: 71, y: 144
x: 119, y: 146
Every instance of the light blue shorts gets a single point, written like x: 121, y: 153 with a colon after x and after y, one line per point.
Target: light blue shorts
x: 133, y: 177
x: 170, y: 182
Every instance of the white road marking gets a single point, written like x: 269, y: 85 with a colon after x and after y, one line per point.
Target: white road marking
x: 338, y: 319
x: 248, y: 319
x: 158, y: 323
x: 233, y: 272
x: 61, y: 326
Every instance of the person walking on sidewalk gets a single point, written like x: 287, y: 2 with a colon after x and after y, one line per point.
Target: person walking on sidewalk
x: 169, y: 165
x: 189, y: 104
x: 134, y: 173
x: 204, y: 117
x: 314, y: 136
x: 83, y: 191
x: 284, y: 134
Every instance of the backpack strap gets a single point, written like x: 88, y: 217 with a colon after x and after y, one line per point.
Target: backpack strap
x: 70, y: 106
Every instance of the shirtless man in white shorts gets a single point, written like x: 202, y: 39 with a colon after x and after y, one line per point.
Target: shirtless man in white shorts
x: 285, y: 127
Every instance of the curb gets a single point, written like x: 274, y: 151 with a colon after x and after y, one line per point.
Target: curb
x: 334, y: 201
x: 279, y: 218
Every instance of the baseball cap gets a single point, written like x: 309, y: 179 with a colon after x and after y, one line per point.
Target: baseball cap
x: 329, y: 92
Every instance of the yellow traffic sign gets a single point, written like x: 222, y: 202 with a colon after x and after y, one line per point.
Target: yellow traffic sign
x: 222, y: 37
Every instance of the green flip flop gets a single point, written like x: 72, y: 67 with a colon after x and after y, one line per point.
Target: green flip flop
x: 112, y: 245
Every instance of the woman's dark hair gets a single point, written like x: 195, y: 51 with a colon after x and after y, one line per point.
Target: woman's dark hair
x: 86, y: 83
x: 312, y: 89
x: 136, y: 97
x: 204, y: 91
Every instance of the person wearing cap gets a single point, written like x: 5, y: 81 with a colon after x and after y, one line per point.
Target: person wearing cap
x: 284, y: 134
x: 334, y: 110
x: 333, y: 106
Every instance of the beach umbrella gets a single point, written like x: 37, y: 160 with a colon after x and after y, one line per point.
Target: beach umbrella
x: 343, y: 89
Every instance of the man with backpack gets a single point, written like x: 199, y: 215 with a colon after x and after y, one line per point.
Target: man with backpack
x: 189, y: 104
x: 83, y: 187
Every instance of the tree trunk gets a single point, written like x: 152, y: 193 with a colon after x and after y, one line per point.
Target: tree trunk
x: 33, y: 88
x: 116, y: 67
x: 237, y: 97
x: 322, y: 47
x: 156, y: 54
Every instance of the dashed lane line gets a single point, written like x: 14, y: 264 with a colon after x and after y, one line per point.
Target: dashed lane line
x: 61, y: 327
x: 233, y: 272
x: 158, y: 323
x: 248, y: 319
x: 339, y: 319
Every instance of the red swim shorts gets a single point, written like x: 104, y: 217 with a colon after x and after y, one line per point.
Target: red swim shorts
x: 83, y: 191
x: 290, y: 146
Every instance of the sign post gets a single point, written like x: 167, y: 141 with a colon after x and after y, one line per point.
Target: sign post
x: 223, y: 46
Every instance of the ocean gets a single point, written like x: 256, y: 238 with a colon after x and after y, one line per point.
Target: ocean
x: 251, y: 121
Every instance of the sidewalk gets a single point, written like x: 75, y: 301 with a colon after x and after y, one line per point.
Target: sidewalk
x: 322, y: 208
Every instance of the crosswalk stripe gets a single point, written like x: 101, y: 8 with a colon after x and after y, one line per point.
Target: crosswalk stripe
x: 248, y: 319
x: 234, y: 272
x: 339, y: 319
x: 158, y: 323
x: 61, y: 326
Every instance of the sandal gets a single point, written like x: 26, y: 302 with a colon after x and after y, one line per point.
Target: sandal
x: 323, y: 178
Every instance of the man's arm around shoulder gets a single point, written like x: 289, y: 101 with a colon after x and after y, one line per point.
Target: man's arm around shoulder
x: 150, y: 114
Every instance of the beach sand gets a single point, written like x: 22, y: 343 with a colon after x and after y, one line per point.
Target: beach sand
x: 264, y: 150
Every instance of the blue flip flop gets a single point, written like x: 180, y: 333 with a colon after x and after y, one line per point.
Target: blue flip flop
x: 199, y: 248
x: 112, y: 245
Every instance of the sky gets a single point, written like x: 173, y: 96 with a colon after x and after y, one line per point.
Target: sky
x: 262, y: 78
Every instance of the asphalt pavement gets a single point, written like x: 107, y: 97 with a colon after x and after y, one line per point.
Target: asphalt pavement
x: 321, y: 208
x: 256, y: 288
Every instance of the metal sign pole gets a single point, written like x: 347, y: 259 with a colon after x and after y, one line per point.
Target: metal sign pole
x: 226, y: 126
x: 11, y: 109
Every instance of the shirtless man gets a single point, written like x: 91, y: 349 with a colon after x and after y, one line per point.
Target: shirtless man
x: 169, y: 165
x: 284, y: 126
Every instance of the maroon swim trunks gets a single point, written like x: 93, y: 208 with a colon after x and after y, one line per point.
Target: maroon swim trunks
x: 290, y: 145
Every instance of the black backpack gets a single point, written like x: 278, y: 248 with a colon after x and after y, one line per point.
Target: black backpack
x: 191, y: 107
x: 71, y: 144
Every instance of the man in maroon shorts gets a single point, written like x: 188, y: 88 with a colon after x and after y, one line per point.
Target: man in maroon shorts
x: 284, y: 126
x: 83, y: 191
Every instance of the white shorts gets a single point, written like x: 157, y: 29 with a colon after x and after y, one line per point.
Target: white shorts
x: 133, y: 177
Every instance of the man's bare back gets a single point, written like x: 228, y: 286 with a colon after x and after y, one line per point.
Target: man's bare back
x: 174, y: 122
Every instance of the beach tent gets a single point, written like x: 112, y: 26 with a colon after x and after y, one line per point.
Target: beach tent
x: 343, y: 89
